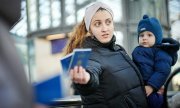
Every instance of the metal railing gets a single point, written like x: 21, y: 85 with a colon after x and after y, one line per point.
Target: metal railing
x: 74, y: 100
x: 175, y: 72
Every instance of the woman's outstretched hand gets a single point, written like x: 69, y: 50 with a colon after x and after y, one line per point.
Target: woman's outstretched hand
x: 79, y: 75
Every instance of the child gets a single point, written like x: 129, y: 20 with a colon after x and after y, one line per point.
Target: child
x: 154, y: 58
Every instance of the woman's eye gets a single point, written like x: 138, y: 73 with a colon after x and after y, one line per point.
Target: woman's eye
x: 97, y: 24
x: 108, y: 22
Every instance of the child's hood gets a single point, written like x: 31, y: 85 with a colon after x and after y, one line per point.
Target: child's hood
x: 171, y: 46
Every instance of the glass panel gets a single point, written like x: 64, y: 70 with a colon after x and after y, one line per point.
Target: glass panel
x: 32, y: 15
x: 22, y: 51
x: 44, y: 9
x: 31, y: 60
x: 134, y: 10
x: 20, y: 29
x: 56, y: 13
x: 79, y: 2
x: 81, y: 6
x: 70, y: 12
x: 119, y: 37
x: 148, y: 7
x: 174, y: 9
x: 80, y: 14
x: 174, y: 14
x: 137, y: 8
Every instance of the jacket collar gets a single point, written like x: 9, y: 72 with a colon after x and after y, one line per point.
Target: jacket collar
x: 171, y: 46
x: 92, y: 42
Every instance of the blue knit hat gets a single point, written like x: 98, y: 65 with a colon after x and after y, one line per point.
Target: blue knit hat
x: 152, y: 25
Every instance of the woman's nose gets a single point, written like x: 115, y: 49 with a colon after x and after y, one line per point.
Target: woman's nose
x: 104, y: 27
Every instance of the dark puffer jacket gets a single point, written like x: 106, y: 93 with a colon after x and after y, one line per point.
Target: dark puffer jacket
x: 155, y: 62
x: 115, y: 81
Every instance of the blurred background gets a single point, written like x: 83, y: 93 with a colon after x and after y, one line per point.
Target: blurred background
x: 44, y: 27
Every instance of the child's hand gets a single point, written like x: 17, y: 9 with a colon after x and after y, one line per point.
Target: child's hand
x: 161, y: 90
x: 79, y: 75
x: 148, y: 89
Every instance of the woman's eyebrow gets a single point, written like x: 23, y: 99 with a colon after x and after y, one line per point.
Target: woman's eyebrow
x: 109, y: 18
x: 96, y: 20
x: 105, y: 19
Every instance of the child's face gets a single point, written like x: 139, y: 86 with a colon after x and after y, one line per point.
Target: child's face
x: 102, y: 26
x: 146, y: 39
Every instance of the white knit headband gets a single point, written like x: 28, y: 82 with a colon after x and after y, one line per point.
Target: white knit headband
x: 91, y: 10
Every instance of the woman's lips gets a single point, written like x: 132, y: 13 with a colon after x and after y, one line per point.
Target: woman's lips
x: 105, y: 35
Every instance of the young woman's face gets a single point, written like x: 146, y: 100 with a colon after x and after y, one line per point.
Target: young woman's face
x: 146, y: 39
x: 102, y: 26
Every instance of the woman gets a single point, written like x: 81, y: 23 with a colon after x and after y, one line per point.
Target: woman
x: 111, y: 79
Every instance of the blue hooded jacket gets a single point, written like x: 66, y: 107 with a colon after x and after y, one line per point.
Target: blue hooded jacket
x: 155, y: 62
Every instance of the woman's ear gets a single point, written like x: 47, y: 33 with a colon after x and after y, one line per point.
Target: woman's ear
x: 90, y: 32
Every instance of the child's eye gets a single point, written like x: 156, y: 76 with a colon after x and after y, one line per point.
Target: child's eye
x: 141, y: 35
x: 149, y: 35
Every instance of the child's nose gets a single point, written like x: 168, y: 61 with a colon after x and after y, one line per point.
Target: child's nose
x: 144, y: 37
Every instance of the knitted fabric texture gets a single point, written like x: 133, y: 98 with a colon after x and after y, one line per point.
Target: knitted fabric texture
x: 91, y: 10
x: 152, y: 25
